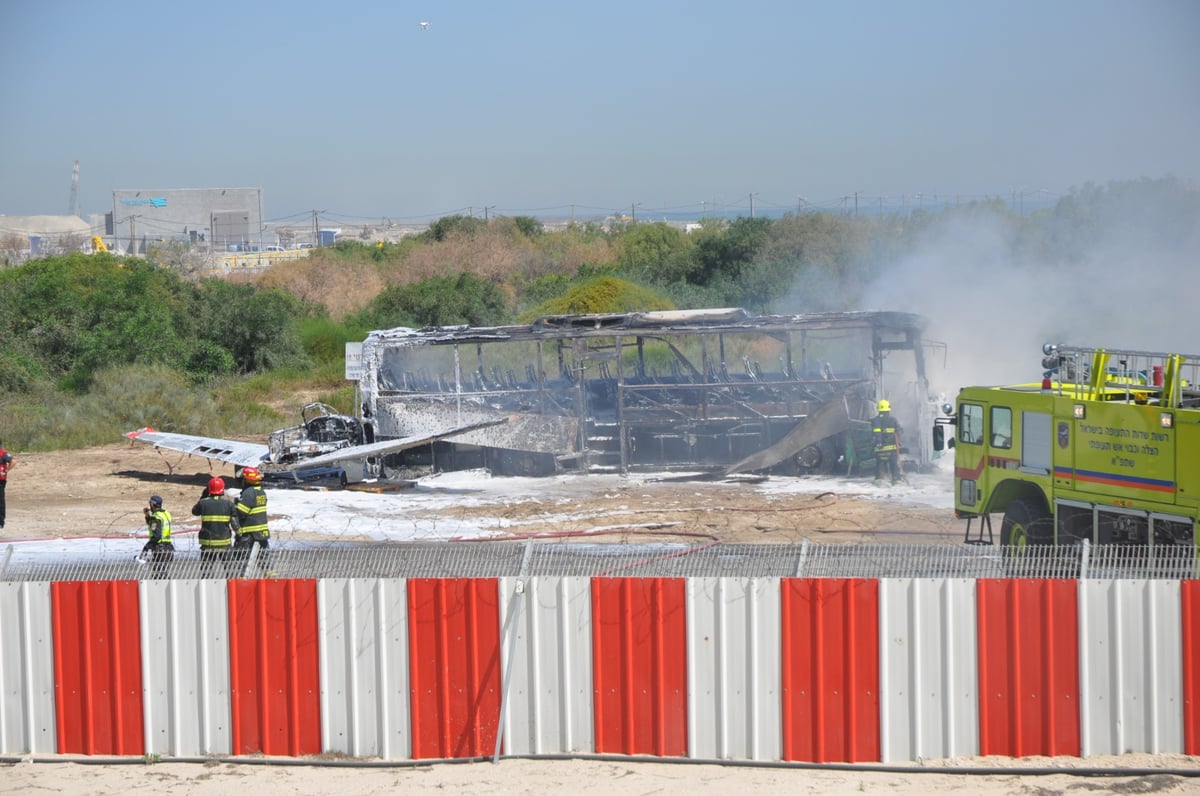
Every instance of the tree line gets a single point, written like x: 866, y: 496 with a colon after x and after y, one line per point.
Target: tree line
x: 65, y: 320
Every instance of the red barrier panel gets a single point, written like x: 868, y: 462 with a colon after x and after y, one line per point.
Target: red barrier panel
x: 454, y: 666
x: 97, y: 667
x: 830, y: 670
x: 639, y: 665
x: 274, y: 667
x: 1190, y: 598
x: 1028, y: 667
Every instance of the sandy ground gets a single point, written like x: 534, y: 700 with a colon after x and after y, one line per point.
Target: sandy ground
x: 100, y: 492
x: 983, y: 776
x: 96, y: 494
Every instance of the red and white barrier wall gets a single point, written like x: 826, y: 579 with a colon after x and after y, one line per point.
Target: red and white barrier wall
x: 820, y: 670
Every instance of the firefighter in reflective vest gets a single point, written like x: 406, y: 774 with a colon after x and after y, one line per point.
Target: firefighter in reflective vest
x: 218, y: 524
x: 252, y: 517
x: 159, y: 548
x: 887, y: 442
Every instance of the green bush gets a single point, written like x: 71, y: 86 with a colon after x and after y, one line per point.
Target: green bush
x: 437, y: 301
x: 325, y: 340
x: 259, y: 328
x: 605, y: 294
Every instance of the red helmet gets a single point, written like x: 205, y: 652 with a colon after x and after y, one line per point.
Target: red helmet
x: 251, y: 475
x: 216, y: 486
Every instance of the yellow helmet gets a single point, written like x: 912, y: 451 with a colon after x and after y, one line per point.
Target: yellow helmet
x: 885, y: 405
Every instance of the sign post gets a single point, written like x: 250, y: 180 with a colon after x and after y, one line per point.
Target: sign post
x: 354, y: 372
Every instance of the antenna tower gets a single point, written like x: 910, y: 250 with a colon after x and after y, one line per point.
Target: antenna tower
x: 73, y: 209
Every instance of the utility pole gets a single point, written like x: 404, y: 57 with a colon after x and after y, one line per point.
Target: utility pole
x: 751, y: 205
x: 316, y: 234
x: 856, y: 204
x: 132, y: 237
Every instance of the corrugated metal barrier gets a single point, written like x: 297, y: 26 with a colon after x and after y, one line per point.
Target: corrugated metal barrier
x: 492, y: 559
x: 759, y: 667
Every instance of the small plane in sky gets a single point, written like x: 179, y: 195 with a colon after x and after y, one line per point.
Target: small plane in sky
x: 424, y: 25
x: 325, y: 441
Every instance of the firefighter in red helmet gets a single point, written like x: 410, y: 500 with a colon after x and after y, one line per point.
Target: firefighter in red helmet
x: 218, y: 524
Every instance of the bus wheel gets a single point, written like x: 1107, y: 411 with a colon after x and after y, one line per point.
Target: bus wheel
x: 812, y: 458
x: 1025, y: 523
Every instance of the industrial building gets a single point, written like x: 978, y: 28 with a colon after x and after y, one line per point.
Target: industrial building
x: 219, y: 219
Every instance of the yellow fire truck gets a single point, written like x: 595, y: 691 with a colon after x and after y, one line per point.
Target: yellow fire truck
x: 1105, y: 448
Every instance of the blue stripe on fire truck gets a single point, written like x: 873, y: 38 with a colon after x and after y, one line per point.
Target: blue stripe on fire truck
x: 1115, y: 479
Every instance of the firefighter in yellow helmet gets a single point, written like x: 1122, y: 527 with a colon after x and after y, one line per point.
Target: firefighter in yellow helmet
x: 886, y: 431
x: 251, y: 508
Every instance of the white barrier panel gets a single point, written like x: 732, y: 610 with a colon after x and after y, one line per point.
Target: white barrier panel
x: 1131, y: 681
x: 929, y: 699
x: 185, y: 667
x: 27, y: 718
x: 733, y: 668
x: 364, y: 667
x: 546, y: 649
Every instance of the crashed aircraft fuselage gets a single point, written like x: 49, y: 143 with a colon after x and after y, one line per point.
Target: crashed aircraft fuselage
x: 699, y: 389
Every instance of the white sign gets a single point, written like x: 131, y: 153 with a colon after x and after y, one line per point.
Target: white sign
x: 353, y: 361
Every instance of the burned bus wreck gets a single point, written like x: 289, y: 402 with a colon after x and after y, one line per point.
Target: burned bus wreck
x: 711, y: 390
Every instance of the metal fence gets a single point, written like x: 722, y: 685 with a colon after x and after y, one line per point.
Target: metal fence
x: 483, y: 559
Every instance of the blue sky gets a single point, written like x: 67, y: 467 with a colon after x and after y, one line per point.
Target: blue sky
x: 530, y: 108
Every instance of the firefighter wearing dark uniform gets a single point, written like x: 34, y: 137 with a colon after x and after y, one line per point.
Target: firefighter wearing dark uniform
x: 6, y: 464
x: 887, y: 442
x: 218, y: 524
x: 251, y: 508
x: 160, y: 548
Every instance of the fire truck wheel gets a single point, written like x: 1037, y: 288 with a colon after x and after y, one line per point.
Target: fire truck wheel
x: 1025, y: 523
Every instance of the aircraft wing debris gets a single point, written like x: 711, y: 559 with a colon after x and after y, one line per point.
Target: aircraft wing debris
x: 371, y: 450
x: 239, y: 454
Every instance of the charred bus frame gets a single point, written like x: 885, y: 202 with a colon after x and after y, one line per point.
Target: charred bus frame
x: 713, y: 389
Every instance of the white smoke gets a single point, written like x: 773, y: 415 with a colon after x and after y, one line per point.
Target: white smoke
x: 1131, y: 284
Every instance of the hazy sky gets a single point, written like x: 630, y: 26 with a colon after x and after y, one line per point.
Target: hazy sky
x: 530, y: 108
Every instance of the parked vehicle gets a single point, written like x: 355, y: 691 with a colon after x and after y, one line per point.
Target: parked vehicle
x: 1104, y: 448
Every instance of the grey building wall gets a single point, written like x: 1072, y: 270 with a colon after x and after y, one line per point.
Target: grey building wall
x: 221, y: 218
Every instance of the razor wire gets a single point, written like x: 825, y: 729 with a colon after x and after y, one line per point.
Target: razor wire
x: 534, y: 558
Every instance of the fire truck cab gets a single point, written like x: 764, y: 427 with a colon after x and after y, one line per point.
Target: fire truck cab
x: 1105, y: 448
